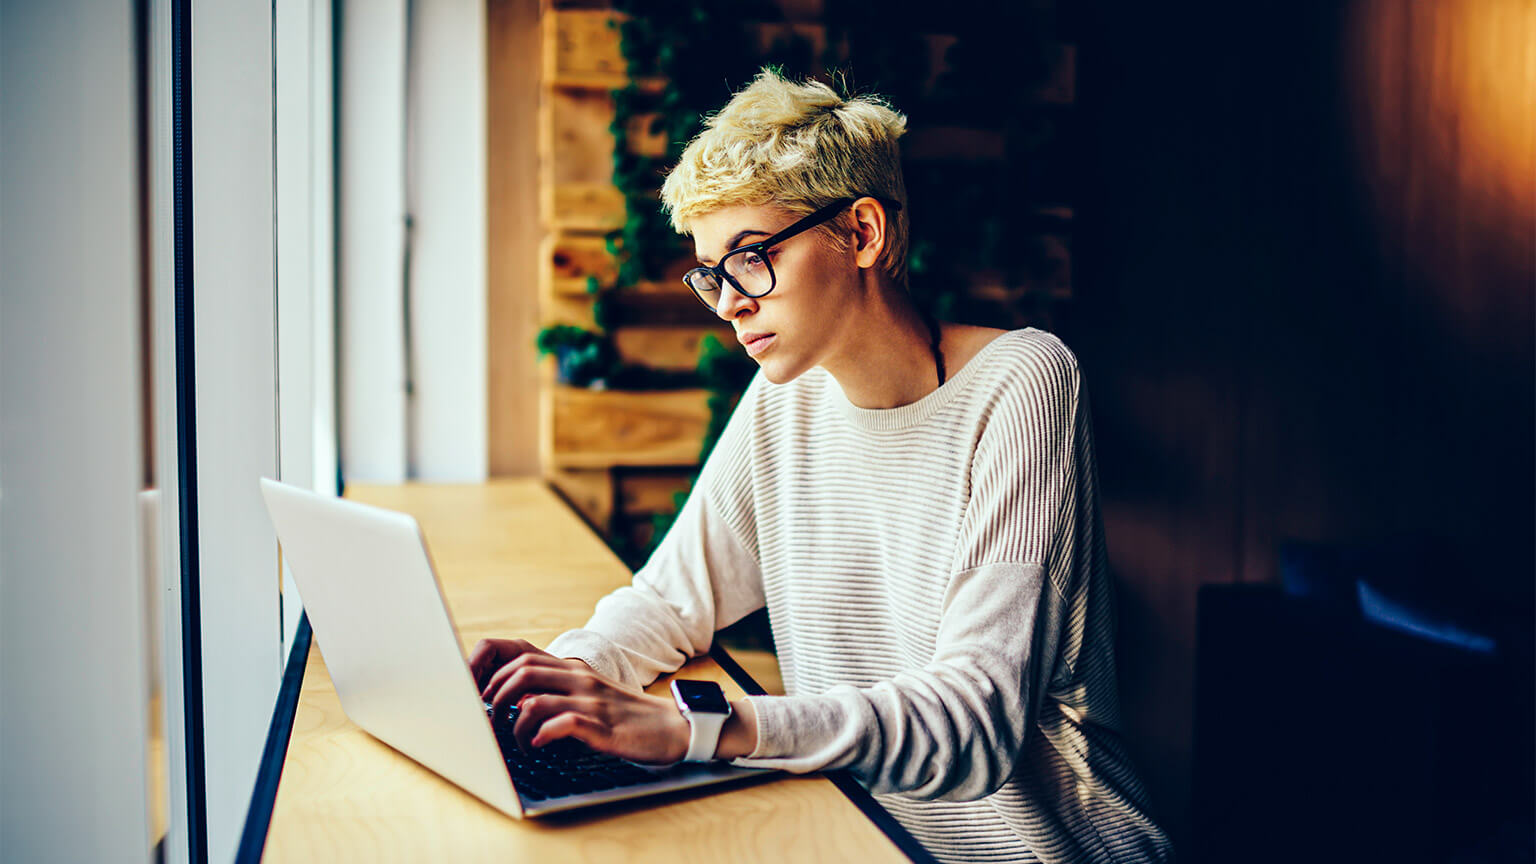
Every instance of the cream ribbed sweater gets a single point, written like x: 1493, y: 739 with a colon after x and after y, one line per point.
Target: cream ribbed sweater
x: 935, y: 577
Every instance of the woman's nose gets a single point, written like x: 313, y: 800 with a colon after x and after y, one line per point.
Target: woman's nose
x: 732, y: 303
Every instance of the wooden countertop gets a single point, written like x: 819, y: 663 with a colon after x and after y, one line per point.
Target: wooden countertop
x: 515, y: 561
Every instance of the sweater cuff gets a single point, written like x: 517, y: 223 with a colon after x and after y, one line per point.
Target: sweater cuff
x: 595, y: 650
x: 798, y: 734
x: 757, y: 728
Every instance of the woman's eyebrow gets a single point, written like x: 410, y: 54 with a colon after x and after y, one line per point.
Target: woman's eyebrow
x: 735, y: 241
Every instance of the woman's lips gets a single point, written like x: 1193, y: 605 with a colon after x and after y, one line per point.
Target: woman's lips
x: 757, y: 343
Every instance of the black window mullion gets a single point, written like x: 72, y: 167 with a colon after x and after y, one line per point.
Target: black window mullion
x: 186, y: 430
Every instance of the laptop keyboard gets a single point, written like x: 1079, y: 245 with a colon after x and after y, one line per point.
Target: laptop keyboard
x: 561, y: 768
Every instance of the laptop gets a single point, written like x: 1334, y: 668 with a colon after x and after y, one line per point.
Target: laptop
x: 393, y: 652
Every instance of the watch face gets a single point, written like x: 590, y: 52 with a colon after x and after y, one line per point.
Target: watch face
x: 704, y: 696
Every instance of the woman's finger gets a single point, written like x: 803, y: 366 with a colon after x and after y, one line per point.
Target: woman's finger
x: 540, y: 708
x: 572, y: 725
x: 533, y: 679
x: 521, y: 661
x: 482, y: 661
x: 490, y: 654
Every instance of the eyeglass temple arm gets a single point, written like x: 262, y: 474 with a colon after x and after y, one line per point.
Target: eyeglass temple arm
x: 817, y: 218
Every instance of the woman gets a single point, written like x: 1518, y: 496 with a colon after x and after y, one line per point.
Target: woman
x: 913, y: 502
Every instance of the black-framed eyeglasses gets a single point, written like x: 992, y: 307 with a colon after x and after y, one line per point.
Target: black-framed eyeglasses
x: 747, y: 268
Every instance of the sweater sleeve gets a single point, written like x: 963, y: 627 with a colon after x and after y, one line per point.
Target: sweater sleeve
x: 954, y: 728
x: 701, y: 577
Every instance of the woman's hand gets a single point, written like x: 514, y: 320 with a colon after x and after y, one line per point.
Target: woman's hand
x: 563, y: 698
x: 489, y: 655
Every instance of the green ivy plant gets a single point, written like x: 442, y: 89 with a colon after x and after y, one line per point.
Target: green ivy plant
x: 584, y: 357
x: 692, y: 49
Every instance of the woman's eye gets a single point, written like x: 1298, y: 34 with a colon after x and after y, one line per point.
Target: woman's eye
x: 753, y: 261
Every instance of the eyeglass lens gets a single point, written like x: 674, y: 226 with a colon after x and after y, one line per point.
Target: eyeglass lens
x: 749, y: 271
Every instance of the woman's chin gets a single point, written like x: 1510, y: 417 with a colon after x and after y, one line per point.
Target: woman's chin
x: 778, y: 372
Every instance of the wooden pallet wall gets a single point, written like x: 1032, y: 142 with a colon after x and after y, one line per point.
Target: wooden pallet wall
x: 626, y: 454
x: 609, y: 452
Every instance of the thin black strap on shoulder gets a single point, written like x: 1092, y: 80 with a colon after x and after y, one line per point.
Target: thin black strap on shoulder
x: 934, y: 333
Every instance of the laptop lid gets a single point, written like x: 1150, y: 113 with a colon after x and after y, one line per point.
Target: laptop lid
x: 389, y: 642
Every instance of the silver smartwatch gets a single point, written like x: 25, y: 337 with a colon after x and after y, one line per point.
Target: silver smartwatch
x: 703, y: 703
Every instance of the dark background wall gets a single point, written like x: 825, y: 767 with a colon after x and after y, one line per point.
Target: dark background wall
x: 1305, y: 258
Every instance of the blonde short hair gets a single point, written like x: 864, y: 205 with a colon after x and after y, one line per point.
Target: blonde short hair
x: 798, y: 146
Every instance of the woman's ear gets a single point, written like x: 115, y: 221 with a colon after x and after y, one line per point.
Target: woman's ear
x: 869, y: 231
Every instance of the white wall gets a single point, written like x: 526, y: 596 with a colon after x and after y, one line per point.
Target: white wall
x: 371, y: 210
x: 73, y: 685
x: 439, y: 433
x: 448, y: 278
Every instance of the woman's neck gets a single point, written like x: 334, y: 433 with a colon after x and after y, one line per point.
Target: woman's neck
x: 886, y: 356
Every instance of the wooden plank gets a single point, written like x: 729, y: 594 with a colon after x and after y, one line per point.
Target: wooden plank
x: 575, y: 311
x: 605, y: 82
x: 583, y: 52
x: 578, y: 288
x: 651, y: 492
x: 571, y: 257
x: 545, y: 114
x: 584, y: 42
x: 601, y: 429
x: 574, y: 257
x: 585, y: 207
x: 590, y: 491
x: 671, y: 348
x: 568, y: 259
x: 645, y: 141
x: 637, y: 309
x: 581, y: 146
x: 512, y: 185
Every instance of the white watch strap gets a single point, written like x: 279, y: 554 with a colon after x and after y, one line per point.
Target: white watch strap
x: 703, y: 735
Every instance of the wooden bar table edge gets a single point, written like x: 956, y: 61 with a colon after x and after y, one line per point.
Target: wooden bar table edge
x: 514, y: 561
